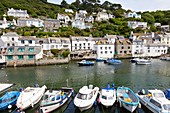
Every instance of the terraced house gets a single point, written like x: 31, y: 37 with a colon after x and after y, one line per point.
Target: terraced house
x: 23, y: 55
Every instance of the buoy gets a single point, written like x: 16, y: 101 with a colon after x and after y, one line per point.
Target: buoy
x: 9, y: 106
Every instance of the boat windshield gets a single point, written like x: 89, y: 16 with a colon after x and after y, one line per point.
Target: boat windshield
x: 104, y: 97
x: 82, y: 96
x: 45, y: 97
x: 166, y: 106
x: 158, y: 95
x: 110, y: 98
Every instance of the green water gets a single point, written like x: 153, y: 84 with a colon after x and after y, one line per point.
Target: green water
x: 156, y: 75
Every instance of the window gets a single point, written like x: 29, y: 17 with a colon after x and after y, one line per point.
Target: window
x: 84, y: 43
x: 75, y: 44
x: 88, y: 43
x: 22, y: 41
x: 21, y: 49
x: 13, y: 44
x: 128, y: 47
x: 12, y: 39
x: 9, y: 57
x: 148, y: 51
x: 31, y: 49
x: 100, y: 47
x: 120, y: 51
x: 30, y: 41
x: 109, y: 47
x: 106, y: 48
x: 130, y: 51
x: 20, y: 57
x: 30, y: 56
x: 110, y: 51
x: 8, y: 44
x: 122, y: 47
x: 105, y: 52
x: 101, y: 52
x: 10, y: 49
x: 79, y: 44
x: 125, y: 52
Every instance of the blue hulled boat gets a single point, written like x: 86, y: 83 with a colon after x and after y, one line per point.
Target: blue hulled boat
x: 85, y: 63
x: 127, y: 98
x: 100, y: 59
x: 114, y: 61
x: 9, y: 99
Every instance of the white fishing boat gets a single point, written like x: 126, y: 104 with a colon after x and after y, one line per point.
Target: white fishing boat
x: 127, y: 98
x: 107, y: 96
x: 86, y: 97
x: 30, y: 96
x: 143, y: 62
x: 53, y: 99
x: 155, y: 101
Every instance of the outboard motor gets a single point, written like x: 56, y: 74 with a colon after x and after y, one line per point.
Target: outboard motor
x: 142, y: 92
x: 36, y: 85
x: 21, y: 89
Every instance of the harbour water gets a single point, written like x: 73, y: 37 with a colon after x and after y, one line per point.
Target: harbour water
x: 156, y: 75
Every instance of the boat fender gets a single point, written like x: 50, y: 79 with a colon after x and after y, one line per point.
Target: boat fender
x: 120, y: 104
x: 95, y: 103
x: 9, y: 106
x: 21, y: 89
x: 139, y: 105
x: 36, y: 85
x: 68, y: 98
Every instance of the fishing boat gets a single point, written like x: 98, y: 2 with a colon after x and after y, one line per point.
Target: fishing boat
x: 134, y: 60
x: 9, y: 99
x: 127, y: 98
x: 114, y: 61
x: 99, y: 59
x: 53, y: 99
x: 154, y: 100
x: 107, y: 96
x: 85, y: 63
x: 143, y: 62
x: 86, y: 97
x: 30, y: 96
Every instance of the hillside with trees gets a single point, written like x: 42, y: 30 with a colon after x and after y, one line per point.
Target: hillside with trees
x: 115, y: 26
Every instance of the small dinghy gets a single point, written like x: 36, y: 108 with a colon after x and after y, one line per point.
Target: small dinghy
x: 107, y: 96
x: 86, y: 97
x: 53, y: 99
x: 30, y: 96
x: 9, y: 99
x: 127, y: 98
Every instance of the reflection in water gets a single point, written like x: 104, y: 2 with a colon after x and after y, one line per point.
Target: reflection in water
x: 127, y: 74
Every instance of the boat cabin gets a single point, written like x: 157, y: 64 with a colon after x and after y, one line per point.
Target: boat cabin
x: 157, y: 98
x: 107, y: 94
x: 85, y: 93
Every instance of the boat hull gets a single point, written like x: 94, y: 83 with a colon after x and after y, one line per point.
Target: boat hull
x: 31, y: 100
x: 5, y: 105
x: 84, y: 64
x: 53, y: 106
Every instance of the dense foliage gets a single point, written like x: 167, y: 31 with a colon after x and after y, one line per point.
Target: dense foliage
x: 117, y: 26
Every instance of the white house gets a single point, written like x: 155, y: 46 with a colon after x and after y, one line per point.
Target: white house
x: 10, y: 39
x: 81, y: 24
x: 54, y: 43
x: 135, y: 24
x: 132, y: 15
x: 27, y: 41
x: 154, y: 50
x: 63, y: 18
x: 69, y: 11
x: 3, y: 23
x: 104, y: 49
x: 17, y: 13
x: 21, y: 22
x: 102, y: 16
x: 89, y: 19
x: 137, y: 48
x: 165, y: 38
x: 81, y: 43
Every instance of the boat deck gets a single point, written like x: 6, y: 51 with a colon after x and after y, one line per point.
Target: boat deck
x: 5, y: 86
